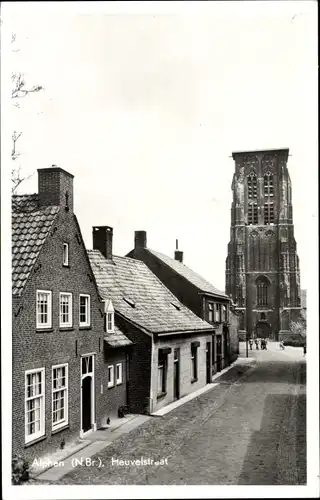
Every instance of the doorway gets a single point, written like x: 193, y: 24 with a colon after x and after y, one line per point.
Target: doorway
x: 208, y: 362
x: 86, y: 404
x: 176, y: 374
x: 263, y: 330
x: 219, y: 353
x: 87, y: 394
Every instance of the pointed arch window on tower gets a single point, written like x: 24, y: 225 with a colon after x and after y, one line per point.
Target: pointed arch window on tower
x: 268, y: 213
x: 262, y: 292
x: 252, y: 213
x: 239, y: 297
x: 268, y: 185
x: 252, y: 186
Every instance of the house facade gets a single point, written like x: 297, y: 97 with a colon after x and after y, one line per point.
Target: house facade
x: 59, y: 385
x: 262, y: 266
x: 196, y: 293
x: 169, y: 359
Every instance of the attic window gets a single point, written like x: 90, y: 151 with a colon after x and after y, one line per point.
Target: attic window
x: 176, y: 306
x: 129, y: 301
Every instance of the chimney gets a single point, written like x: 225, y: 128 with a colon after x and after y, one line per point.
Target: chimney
x: 102, y: 240
x: 140, y: 239
x: 55, y: 187
x: 177, y: 254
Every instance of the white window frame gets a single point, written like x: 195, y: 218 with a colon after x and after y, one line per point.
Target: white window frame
x: 65, y: 255
x: 216, y: 313
x: 194, y: 363
x: 119, y: 380
x: 64, y: 421
x: 210, y: 312
x: 49, y: 312
x: 111, y: 382
x: 41, y: 397
x: 110, y: 315
x: 68, y: 323
x: 85, y: 323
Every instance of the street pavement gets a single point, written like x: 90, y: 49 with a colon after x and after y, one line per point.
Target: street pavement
x: 249, y: 430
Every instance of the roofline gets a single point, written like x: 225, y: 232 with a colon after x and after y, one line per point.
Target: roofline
x: 183, y: 332
x: 284, y: 150
x: 201, y: 291
x: 218, y: 296
x: 20, y: 294
x: 55, y: 169
x: 161, y: 334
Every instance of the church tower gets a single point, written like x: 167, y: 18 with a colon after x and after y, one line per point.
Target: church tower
x: 262, y: 267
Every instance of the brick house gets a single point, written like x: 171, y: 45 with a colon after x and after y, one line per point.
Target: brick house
x: 58, y: 328
x: 196, y: 293
x: 169, y: 359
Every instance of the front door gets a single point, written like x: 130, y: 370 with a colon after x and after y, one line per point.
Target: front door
x: 87, y: 394
x: 263, y: 330
x: 219, y: 353
x: 86, y: 403
x: 176, y: 374
x: 208, y: 361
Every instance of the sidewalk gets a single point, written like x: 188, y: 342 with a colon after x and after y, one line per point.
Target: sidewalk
x: 59, y: 464
x: 62, y: 462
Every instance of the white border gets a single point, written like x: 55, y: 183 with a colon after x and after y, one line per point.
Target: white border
x: 74, y: 492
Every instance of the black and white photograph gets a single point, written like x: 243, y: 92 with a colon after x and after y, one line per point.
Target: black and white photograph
x: 159, y: 227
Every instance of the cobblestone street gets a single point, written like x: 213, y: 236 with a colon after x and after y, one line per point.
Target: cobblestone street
x: 250, y: 429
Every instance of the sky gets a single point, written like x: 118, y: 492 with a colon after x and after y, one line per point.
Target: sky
x: 145, y: 103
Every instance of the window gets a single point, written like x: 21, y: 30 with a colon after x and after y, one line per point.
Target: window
x: 109, y: 316
x: 239, y: 295
x: 217, y: 313
x: 59, y: 396
x: 262, y: 292
x: 84, y: 310
x: 162, y: 372
x: 65, y: 309
x: 65, y: 254
x: 44, y: 319
x: 34, y: 404
x: 224, y: 313
x: 268, y: 213
x: 210, y: 306
x: 119, y: 373
x: 268, y: 185
x: 110, y: 376
x: 194, y: 362
x: 110, y: 322
x: 252, y: 186
x: 253, y: 213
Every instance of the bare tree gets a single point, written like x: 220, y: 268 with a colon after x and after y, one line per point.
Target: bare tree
x: 19, y: 90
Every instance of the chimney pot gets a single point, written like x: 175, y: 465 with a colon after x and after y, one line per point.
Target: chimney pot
x: 178, y: 255
x: 102, y: 240
x: 140, y: 239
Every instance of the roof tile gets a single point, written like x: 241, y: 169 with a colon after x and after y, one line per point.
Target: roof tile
x: 153, y: 310
x: 188, y: 274
x: 30, y: 227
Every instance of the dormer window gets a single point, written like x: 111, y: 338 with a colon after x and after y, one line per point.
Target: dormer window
x: 65, y: 254
x: 109, y: 312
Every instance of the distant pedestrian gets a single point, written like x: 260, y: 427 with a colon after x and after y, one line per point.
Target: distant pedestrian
x: 257, y: 344
x: 281, y: 345
x: 304, y: 349
x: 250, y: 344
